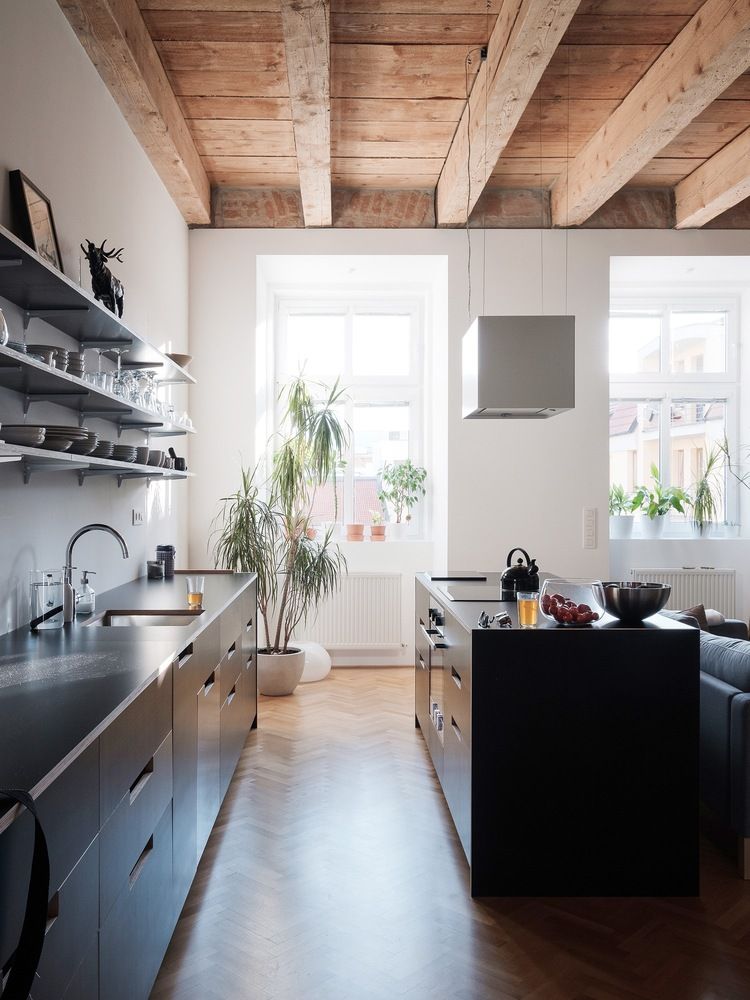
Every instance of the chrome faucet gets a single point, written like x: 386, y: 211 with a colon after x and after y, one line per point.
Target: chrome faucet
x: 69, y: 594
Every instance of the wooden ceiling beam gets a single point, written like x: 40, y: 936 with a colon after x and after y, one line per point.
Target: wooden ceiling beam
x: 710, y: 52
x: 719, y: 184
x: 307, y: 37
x: 523, y: 40
x: 116, y: 38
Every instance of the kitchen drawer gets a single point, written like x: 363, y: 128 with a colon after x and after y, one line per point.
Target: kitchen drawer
x: 457, y: 698
x: 85, y: 982
x: 234, y: 731
x: 458, y: 653
x: 132, y: 739
x: 230, y: 624
x: 249, y: 622
x: 72, y: 924
x: 456, y: 780
x: 128, y: 828
x: 421, y: 690
x: 136, y: 932
x: 208, y: 763
x: 69, y: 812
x: 231, y: 667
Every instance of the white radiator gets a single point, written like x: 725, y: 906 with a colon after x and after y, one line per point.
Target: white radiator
x: 713, y: 588
x: 364, y: 614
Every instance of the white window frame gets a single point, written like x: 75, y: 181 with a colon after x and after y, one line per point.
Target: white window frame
x: 363, y: 390
x: 663, y: 387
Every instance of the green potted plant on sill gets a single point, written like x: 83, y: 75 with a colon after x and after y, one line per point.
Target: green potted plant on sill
x: 620, y: 512
x: 707, y: 495
x: 270, y: 536
x: 402, y: 487
x: 655, y: 502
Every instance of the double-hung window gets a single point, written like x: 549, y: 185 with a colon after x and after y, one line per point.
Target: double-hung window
x: 374, y: 347
x: 673, y: 365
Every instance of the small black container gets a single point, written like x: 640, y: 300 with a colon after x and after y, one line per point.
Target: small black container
x: 155, y: 570
x: 165, y: 554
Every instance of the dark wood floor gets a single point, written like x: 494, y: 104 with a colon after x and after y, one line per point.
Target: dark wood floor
x: 334, y: 873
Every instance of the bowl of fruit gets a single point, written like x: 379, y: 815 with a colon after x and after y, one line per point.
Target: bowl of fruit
x: 572, y: 603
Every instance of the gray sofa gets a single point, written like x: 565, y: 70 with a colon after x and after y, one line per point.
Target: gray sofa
x: 725, y: 735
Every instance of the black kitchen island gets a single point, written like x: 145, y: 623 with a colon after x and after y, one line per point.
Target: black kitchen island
x: 568, y: 757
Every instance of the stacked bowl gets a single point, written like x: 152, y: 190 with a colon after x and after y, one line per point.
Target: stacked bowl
x: 103, y: 449
x: 61, y: 438
x: 60, y: 359
x: 76, y: 364
x: 27, y: 435
x: 124, y: 453
x: 85, y: 446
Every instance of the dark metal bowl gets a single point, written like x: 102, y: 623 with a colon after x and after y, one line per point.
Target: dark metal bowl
x: 632, y: 601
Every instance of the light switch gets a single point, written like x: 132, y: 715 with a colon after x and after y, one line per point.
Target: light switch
x: 137, y: 516
x: 589, y: 527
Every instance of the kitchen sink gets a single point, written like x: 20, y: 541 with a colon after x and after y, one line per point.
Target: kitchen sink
x: 123, y: 619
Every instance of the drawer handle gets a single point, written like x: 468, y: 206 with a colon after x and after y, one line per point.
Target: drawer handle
x: 53, y: 912
x: 441, y: 644
x: 232, y: 650
x: 455, y: 677
x: 141, y: 781
x: 249, y: 626
x: 456, y: 730
x: 209, y: 683
x: 230, y: 696
x: 422, y: 664
x: 184, y: 656
x: 249, y: 661
x: 141, y: 862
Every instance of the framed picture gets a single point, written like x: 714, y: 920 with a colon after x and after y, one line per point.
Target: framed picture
x: 34, y: 223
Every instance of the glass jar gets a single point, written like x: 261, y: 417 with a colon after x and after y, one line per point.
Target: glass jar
x: 573, y: 602
x: 4, y: 332
x: 46, y: 599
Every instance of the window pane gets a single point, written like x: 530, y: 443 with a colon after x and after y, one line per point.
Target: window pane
x: 381, y: 345
x: 314, y: 344
x: 633, y: 441
x: 699, y: 341
x: 324, y: 505
x: 634, y: 344
x: 381, y: 434
x: 696, y: 430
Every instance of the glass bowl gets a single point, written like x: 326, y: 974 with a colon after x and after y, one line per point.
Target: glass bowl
x: 585, y: 601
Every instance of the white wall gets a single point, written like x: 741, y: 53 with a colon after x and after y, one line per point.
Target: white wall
x: 508, y: 483
x: 59, y: 125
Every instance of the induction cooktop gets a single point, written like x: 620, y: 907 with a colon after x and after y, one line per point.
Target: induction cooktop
x: 470, y: 591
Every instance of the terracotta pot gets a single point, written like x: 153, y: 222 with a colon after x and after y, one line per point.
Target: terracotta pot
x: 280, y: 673
x: 311, y: 533
x: 377, y: 531
x: 355, y: 532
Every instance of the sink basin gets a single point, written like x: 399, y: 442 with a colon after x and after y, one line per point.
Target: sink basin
x: 123, y: 619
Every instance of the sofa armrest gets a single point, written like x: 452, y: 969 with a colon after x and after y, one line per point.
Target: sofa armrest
x: 740, y: 765
x: 733, y: 628
x: 716, y: 698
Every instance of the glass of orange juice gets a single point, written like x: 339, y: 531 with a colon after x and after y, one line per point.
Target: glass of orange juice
x: 528, y: 605
x: 194, y: 586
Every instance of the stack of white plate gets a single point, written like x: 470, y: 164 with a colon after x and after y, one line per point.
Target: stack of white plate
x: 76, y: 365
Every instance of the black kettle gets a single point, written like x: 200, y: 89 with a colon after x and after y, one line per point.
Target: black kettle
x: 519, y: 577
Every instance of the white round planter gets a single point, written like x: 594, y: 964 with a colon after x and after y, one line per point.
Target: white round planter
x: 621, y: 525
x: 280, y: 673
x: 652, y: 527
x: 317, y: 662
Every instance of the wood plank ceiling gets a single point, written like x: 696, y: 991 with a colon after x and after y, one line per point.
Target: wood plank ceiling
x: 399, y: 72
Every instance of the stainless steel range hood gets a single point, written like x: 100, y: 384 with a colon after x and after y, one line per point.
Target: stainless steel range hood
x: 518, y: 367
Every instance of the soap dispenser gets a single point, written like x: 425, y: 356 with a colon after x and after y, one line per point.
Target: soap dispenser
x: 86, y: 597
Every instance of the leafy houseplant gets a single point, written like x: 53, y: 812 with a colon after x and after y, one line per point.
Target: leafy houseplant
x: 269, y: 535
x: 706, y: 499
x: 402, y: 487
x: 657, y: 501
x: 620, y: 512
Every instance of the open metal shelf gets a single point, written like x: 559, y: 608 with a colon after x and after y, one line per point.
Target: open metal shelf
x: 43, y: 292
x: 34, y: 460
x: 37, y: 382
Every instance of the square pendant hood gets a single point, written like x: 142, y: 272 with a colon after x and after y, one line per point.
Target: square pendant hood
x: 518, y: 367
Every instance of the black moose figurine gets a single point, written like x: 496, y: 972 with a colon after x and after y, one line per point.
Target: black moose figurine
x: 106, y: 287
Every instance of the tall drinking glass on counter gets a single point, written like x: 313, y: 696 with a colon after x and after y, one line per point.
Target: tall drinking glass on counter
x: 528, y: 604
x: 46, y: 599
x: 194, y: 586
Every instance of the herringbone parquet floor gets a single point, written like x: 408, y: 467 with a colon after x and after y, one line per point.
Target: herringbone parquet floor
x: 334, y: 873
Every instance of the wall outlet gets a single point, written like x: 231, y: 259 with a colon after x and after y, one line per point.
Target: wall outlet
x: 589, y: 527
x: 138, y: 517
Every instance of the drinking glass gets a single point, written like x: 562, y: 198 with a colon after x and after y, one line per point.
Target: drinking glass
x: 194, y: 585
x: 527, y: 608
x: 46, y: 599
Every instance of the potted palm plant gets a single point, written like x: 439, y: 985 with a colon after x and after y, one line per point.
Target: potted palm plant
x: 263, y: 528
x: 620, y: 513
x: 706, y: 500
x: 655, y: 502
x: 402, y: 487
